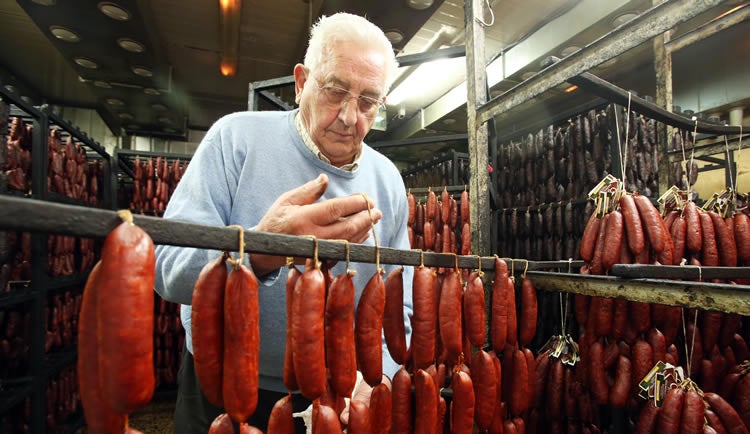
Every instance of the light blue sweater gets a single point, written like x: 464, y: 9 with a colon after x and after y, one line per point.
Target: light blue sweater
x: 244, y: 163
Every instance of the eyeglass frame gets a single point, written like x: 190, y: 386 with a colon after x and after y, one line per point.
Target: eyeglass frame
x: 379, y: 103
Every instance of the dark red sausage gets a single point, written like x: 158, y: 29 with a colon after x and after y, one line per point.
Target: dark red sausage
x: 620, y: 391
x: 99, y: 416
x: 714, y: 422
x: 633, y: 225
x: 643, y: 361
x: 325, y: 421
x: 424, y: 321
x: 650, y: 219
x: 462, y: 406
x: 590, y: 235
x: 499, y: 313
x: 510, y: 297
x: 281, y: 420
x: 125, y: 329
x: 308, y: 333
x: 340, y: 351
x: 401, y: 413
x: 426, y: 404
x: 207, y: 320
x: 599, y: 386
x: 555, y: 390
x: 678, y: 231
x: 241, y: 344
x: 520, y: 378
x: 368, y: 330
x: 449, y: 315
x: 612, y: 240
x: 380, y: 409
x: 531, y: 376
x: 484, y: 379
x: 290, y: 379
x: 742, y: 398
x: 693, y: 414
x: 528, y: 312
x: 393, y: 316
x: 596, y: 260
x: 694, y: 234
x: 221, y: 425
x: 724, y: 241
x: 474, y: 310
x: 671, y: 411
x: 742, y: 236
x: 647, y: 419
x: 709, y: 250
x: 359, y: 418
x: 727, y: 414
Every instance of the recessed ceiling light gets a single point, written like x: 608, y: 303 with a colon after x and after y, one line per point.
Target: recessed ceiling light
x: 102, y: 84
x: 158, y: 107
x: 45, y: 2
x: 527, y: 75
x: 567, y: 51
x: 623, y: 18
x: 395, y: 36
x: 125, y: 116
x: 143, y: 72
x: 151, y: 91
x: 419, y: 4
x: 85, y: 63
x: 164, y: 120
x: 10, y: 88
x: 114, y: 11
x: 131, y: 45
x: 64, y: 34
x: 169, y: 130
x: 115, y: 102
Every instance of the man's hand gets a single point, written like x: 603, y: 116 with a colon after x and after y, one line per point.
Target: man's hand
x: 296, y: 213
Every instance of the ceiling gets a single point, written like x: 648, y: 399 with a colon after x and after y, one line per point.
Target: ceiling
x: 180, y: 45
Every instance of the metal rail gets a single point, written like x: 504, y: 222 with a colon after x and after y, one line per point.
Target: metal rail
x: 39, y: 216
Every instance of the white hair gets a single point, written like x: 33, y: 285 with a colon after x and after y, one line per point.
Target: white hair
x: 340, y: 27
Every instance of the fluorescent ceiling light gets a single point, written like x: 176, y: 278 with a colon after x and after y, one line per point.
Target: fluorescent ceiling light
x: 427, y: 75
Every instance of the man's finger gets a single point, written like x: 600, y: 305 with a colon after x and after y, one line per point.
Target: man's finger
x: 331, y: 210
x: 306, y: 193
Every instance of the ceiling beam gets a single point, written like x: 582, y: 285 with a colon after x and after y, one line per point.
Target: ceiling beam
x: 550, y: 36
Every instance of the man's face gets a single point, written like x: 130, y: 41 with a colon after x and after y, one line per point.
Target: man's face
x: 338, y: 129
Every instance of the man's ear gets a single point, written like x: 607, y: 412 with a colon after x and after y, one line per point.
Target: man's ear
x: 300, y: 78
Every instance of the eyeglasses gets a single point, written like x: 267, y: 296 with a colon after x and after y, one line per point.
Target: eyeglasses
x: 337, y: 97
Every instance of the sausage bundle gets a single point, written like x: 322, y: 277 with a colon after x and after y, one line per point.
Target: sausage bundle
x: 439, y: 225
x: 154, y: 181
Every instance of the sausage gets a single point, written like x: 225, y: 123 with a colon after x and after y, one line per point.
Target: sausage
x: 424, y: 320
x: 484, y: 379
x: 248, y: 429
x: 426, y: 404
x: 620, y: 318
x: 647, y: 418
x: 724, y: 240
x: 359, y: 418
x: 125, y: 330
x: 473, y: 300
x: 694, y: 234
x: 429, y: 235
x: 528, y: 312
x: 620, y: 391
x: 207, y: 319
x: 464, y: 206
x: 555, y: 390
x: 643, y: 361
x: 727, y: 414
x: 596, y: 260
x: 520, y: 380
x: 290, y: 379
x: 445, y: 204
x: 671, y: 411
x: 650, y: 219
x: 367, y: 330
x: 462, y: 406
x: 633, y: 225
x: 449, y: 315
x: 603, y: 315
x: 581, y: 307
x: 709, y: 250
x: 510, y: 298
x: 678, y: 232
x: 325, y: 421
x: 531, y: 376
x: 612, y: 240
x: 742, y: 398
x: 281, y: 420
x: 412, y: 206
x: 499, y: 312
x: 465, y: 239
x: 729, y: 327
x: 711, y: 326
x: 590, y: 235
x: 308, y: 332
x: 380, y: 409
x: 599, y: 386
x: 242, y: 344
x: 99, y: 415
x: 401, y: 413
x: 221, y: 425
x: 541, y: 371
x: 714, y: 422
x: 742, y: 236
x: 693, y: 413
x: 340, y: 352
x: 393, y: 316
x: 440, y: 421
x: 430, y: 206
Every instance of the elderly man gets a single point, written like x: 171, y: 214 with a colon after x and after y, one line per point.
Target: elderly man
x: 300, y: 172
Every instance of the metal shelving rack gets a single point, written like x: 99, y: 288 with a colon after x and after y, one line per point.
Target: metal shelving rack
x: 42, y: 366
